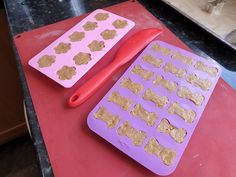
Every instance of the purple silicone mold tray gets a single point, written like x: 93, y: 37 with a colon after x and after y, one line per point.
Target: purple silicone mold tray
x: 153, y: 109
x: 73, y: 54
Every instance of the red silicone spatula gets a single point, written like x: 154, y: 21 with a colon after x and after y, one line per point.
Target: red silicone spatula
x: 125, y: 53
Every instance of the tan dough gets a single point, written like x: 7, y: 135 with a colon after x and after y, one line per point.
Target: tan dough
x: 110, y: 119
x: 120, y: 24
x: 96, y: 46
x: 89, y: 26
x: 108, y: 34
x: 153, y: 61
x: 142, y: 72
x: 62, y: 48
x: 160, y: 101
x: 136, y: 88
x: 46, y: 61
x: 121, y: 101
x: 212, y: 71
x: 204, y: 84
x: 82, y: 58
x: 76, y: 36
x: 178, y: 134
x: 187, y: 115
x: 163, y: 50
x: 169, y: 85
x: 148, y: 117
x: 196, y: 98
x: 66, y: 72
x: 180, y: 73
x: 165, y: 154
x: 101, y: 16
x: 183, y: 58
x: 136, y: 136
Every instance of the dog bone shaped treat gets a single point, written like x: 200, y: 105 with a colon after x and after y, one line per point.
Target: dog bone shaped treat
x: 167, y: 155
x: 178, y: 134
x: 196, y: 98
x: 123, y: 102
x: 169, y: 85
x: 180, y: 73
x: 163, y: 50
x: 148, y: 117
x: 204, y: 84
x: 183, y: 58
x: 152, y: 60
x: 136, y: 88
x: 212, y: 71
x: 160, y: 101
x: 187, y: 115
x: 137, y: 136
x: 110, y: 119
x: 142, y: 72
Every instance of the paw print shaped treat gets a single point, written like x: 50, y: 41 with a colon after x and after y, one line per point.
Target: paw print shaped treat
x: 96, y: 45
x: 120, y: 24
x: 46, y: 61
x: 62, y: 48
x: 108, y: 34
x: 89, y: 26
x: 101, y: 16
x: 82, y: 58
x: 66, y: 72
x: 76, y: 36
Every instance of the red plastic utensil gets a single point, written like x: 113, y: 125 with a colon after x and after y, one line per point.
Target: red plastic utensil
x: 125, y: 53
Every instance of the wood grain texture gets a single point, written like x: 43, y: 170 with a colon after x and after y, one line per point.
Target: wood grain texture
x: 12, y: 123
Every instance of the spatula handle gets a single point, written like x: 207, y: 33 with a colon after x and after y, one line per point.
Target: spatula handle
x: 91, y: 86
x: 126, y: 52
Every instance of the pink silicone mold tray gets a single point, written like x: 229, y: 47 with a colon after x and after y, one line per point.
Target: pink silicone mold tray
x: 153, y: 109
x: 69, y: 57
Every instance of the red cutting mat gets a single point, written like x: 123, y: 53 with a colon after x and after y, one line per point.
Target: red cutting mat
x: 76, y: 151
